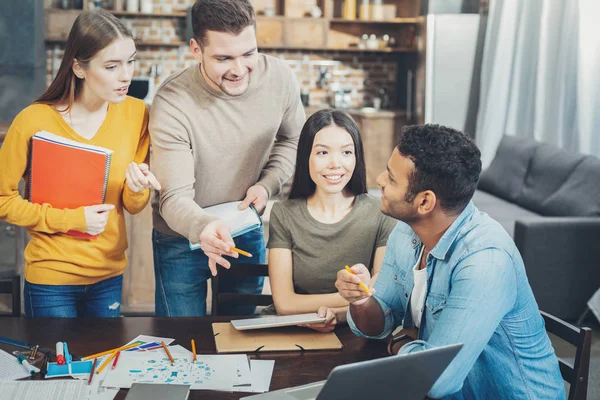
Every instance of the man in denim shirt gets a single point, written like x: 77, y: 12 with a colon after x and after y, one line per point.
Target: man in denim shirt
x: 454, y: 274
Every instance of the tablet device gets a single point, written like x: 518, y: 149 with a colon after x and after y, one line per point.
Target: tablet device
x: 276, y: 321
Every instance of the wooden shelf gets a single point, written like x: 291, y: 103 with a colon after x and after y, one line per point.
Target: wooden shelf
x: 174, y: 14
x: 152, y: 43
x: 395, y: 21
x: 158, y: 43
x: 341, y: 49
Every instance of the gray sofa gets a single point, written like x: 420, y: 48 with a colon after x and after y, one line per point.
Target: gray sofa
x: 548, y: 200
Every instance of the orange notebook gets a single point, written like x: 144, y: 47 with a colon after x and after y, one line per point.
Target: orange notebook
x: 67, y: 174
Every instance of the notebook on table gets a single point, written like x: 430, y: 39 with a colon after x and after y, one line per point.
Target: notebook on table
x: 239, y: 222
x: 276, y: 321
x: 67, y: 174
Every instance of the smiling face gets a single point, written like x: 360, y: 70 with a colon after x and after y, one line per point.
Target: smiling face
x: 108, y: 74
x: 332, y: 159
x: 394, y: 183
x: 228, y: 60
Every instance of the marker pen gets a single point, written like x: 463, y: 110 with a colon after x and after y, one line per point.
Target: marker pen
x: 60, y: 355
x: 30, y: 368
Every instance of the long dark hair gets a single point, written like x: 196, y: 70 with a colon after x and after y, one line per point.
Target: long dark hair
x: 303, y: 186
x: 92, y: 31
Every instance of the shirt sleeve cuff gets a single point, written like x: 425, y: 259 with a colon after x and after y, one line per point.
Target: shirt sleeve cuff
x: 388, y: 325
x: 76, y: 220
x: 271, y: 184
x: 415, y: 346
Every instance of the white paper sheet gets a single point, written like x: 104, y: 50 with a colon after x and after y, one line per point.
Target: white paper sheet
x: 46, y: 390
x: 209, y: 372
x: 10, y: 368
x: 262, y: 371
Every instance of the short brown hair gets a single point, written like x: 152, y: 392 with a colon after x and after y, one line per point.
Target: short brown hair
x: 92, y: 31
x: 232, y: 16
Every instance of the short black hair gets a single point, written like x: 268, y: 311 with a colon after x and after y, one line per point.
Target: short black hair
x: 232, y: 16
x: 303, y: 186
x: 447, y: 162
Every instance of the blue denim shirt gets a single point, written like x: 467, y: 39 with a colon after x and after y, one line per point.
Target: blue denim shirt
x: 477, y: 294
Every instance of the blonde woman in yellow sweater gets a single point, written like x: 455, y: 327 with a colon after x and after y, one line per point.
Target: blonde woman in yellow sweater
x: 66, y: 276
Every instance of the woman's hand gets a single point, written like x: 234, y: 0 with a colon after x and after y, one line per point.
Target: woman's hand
x: 96, y: 218
x: 139, y: 177
x: 326, y: 326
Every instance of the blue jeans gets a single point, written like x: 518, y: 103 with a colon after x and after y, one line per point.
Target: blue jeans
x: 99, y: 300
x: 181, y: 275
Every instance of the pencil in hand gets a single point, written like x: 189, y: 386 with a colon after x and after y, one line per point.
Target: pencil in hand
x: 361, y: 283
x: 242, y: 252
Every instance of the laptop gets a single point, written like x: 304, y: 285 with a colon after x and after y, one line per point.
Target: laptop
x: 411, y: 375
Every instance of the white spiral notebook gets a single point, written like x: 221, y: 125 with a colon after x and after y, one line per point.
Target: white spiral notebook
x: 239, y: 222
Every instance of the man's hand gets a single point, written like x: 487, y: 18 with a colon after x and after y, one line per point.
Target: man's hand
x: 348, y: 287
x: 256, y: 195
x: 326, y: 326
x: 216, y: 241
x: 139, y: 177
x: 96, y: 218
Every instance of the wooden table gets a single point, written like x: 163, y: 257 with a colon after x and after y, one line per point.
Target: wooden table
x: 87, y: 336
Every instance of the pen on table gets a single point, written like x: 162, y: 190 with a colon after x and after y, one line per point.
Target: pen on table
x: 361, y: 283
x: 34, y: 351
x: 60, y: 357
x: 23, y: 361
x: 106, y: 362
x: 110, y: 351
x: 194, y: 350
x: 168, y: 352
x: 242, y: 252
x: 92, y: 371
x: 116, y: 359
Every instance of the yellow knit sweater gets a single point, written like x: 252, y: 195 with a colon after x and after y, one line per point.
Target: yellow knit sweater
x: 51, y: 257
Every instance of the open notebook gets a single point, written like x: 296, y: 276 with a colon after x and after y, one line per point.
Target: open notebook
x: 67, y: 174
x: 239, y: 222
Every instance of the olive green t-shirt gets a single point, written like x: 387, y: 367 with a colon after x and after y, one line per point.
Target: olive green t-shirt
x: 320, y: 250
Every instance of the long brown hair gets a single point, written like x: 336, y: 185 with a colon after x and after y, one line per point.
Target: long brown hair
x: 92, y: 31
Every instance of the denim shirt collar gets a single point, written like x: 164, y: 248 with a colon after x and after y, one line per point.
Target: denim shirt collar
x: 443, y: 245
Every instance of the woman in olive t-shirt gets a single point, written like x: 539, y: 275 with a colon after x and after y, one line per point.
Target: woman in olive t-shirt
x: 328, y: 222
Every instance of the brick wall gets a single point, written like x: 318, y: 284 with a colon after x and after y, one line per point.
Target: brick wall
x: 365, y: 74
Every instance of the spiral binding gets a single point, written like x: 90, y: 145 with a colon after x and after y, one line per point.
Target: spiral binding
x: 106, y: 173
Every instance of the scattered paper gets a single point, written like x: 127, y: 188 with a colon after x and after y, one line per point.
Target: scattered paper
x: 47, y: 390
x: 155, y: 367
x: 10, y: 368
x: 148, y: 342
x: 261, y: 371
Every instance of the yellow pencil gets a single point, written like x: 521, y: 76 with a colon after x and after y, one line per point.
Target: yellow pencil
x: 361, y: 284
x: 110, y: 351
x: 106, y: 362
x: 168, y: 352
x: 242, y: 252
x: 194, y: 350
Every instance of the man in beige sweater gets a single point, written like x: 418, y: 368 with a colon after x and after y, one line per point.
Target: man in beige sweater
x: 225, y: 129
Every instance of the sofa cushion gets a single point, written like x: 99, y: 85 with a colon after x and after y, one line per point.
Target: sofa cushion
x: 505, y: 175
x: 579, y: 195
x: 506, y: 213
x: 549, y: 169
